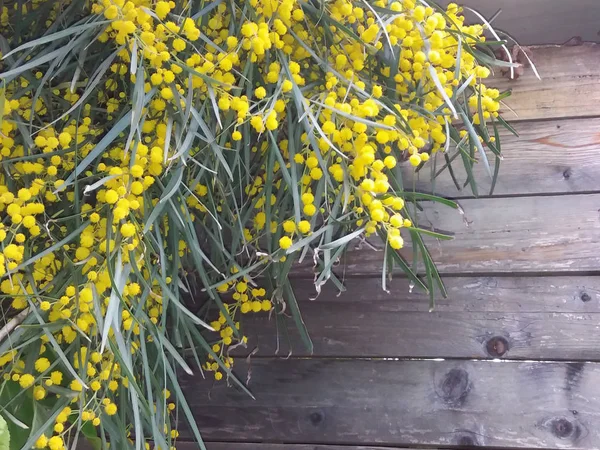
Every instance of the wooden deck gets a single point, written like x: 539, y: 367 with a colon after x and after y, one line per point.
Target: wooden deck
x: 509, y: 360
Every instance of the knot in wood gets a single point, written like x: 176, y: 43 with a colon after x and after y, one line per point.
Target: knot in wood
x: 467, y: 438
x: 467, y: 441
x: 562, y: 428
x: 496, y: 346
x: 585, y: 297
x: 455, y: 386
x: 316, y: 417
x: 567, y: 174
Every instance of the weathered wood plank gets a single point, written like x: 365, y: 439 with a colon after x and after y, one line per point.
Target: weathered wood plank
x: 555, y: 294
x: 380, y: 330
x: 379, y: 402
x: 520, y: 318
x: 540, y: 21
x: 557, y: 156
x: 519, y: 234
x: 262, y: 446
x: 569, y: 87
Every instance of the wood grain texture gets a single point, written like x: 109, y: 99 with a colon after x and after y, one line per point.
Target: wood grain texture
x: 555, y: 294
x: 540, y: 21
x: 489, y: 317
x: 569, y: 86
x: 380, y: 330
x: 262, y: 446
x: 555, y: 156
x: 520, y: 234
x: 403, y: 403
x: 520, y: 318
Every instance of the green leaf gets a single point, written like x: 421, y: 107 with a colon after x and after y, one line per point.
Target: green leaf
x: 91, y: 436
x: 55, y: 36
x: 399, y: 259
x: 99, y: 148
x: 36, y: 433
x: 290, y: 299
x: 441, y: 236
x: 498, y: 157
x: 475, y: 139
x: 4, y: 435
x: 343, y: 240
x: 170, y: 190
x: 414, y: 196
x: 506, y: 125
x: 307, y: 240
x: 31, y: 64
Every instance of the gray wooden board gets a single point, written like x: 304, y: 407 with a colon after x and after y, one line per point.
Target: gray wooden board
x: 569, y: 86
x: 490, y: 317
x: 554, y: 156
x: 385, y: 402
x: 262, y: 446
x: 555, y: 294
x: 520, y: 234
x: 540, y: 21
x: 380, y: 330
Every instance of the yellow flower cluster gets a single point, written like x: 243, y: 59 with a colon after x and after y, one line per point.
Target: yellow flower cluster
x: 272, y: 115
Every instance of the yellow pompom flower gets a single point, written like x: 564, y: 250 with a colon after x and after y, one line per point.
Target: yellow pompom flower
x: 111, y: 12
x: 285, y: 242
x: 41, y: 442
x: 110, y: 409
x: 415, y: 159
x: 26, y: 380
x: 396, y: 242
x: 56, y: 377
x: 39, y: 393
x: 162, y: 8
x: 166, y: 93
x: 55, y: 443
x: 42, y: 364
x: 260, y: 92
x: 309, y: 209
x: 289, y: 226
x: 304, y: 226
x: 128, y: 230
x: 64, y: 139
x: 111, y: 196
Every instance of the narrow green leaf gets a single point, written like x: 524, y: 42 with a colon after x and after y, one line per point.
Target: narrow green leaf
x: 441, y: 236
x: 343, y: 240
x: 55, y: 36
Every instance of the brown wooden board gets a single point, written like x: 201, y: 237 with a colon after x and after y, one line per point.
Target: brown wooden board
x: 569, y: 86
x: 555, y: 156
x: 403, y: 403
x: 520, y: 318
x: 520, y: 234
x: 539, y: 21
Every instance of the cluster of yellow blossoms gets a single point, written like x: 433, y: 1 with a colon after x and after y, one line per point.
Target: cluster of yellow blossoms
x: 210, y: 141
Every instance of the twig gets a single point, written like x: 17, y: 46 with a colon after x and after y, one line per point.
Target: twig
x: 13, y: 323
